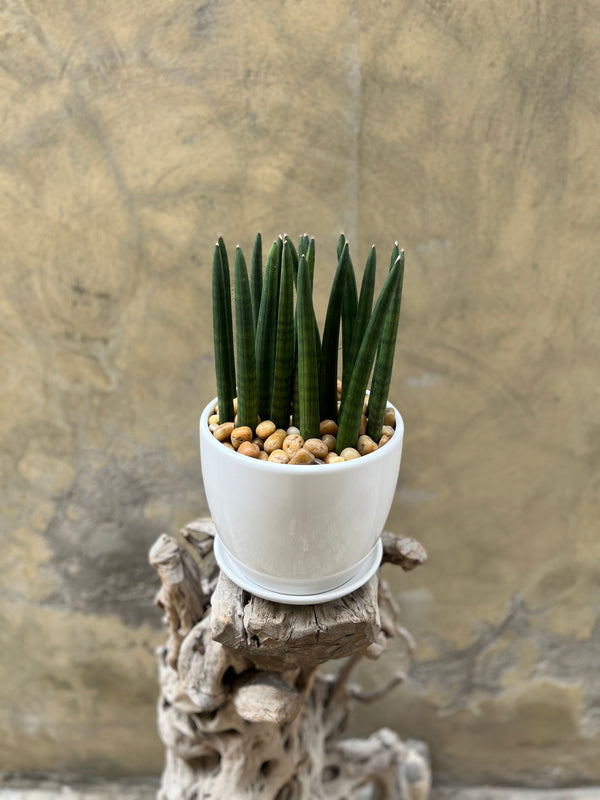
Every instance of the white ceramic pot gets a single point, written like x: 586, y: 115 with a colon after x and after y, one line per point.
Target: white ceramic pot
x: 298, y: 530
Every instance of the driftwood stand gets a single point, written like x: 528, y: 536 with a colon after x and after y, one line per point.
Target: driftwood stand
x: 244, y: 711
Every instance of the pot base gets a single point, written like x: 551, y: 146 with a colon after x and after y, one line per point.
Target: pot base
x: 236, y: 573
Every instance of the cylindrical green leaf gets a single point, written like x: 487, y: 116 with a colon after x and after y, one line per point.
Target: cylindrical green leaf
x: 223, y: 337
x: 307, y: 248
x: 247, y: 410
x: 284, y: 349
x: 310, y: 257
x: 227, y: 280
x: 363, y: 314
x: 294, y: 255
x: 308, y: 376
x: 303, y: 245
x: 382, y: 372
x: 330, y: 342
x: 296, y: 389
x: 266, y: 331
x: 395, y: 254
x: 256, y: 278
x: 349, y: 314
x: 351, y: 409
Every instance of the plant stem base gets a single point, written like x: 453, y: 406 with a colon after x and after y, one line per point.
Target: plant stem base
x: 236, y: 572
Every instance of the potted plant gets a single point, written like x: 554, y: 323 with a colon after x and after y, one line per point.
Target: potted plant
x: 300, y: 468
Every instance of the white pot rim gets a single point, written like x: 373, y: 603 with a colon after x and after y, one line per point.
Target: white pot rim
x: 300, y: 469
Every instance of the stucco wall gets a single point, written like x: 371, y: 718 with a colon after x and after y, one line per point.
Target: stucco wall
x: 131, y: 135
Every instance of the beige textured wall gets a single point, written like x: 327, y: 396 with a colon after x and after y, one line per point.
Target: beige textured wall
x: 133, y: 133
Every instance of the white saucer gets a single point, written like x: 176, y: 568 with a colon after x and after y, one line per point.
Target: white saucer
x: 368, y: 568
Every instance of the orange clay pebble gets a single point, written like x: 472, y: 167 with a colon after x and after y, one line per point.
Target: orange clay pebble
x: 224, y: 431
x: 292, y: 429
x: 274, y: 441
x: 339, y: 389
x: 240, y: 435
x: 302, y: 456
x: 363, y: 425
x: 366, y: 445
x: 213, y: 418
x: 333, y: 458
x: 390, y: 417
x: 213, y: 426
x: 265, y: 429
x: 279, y: 457
x: 258, y: 442
x: 315, y: 446
x: 329, y: 440
x: 249, y: 449
x: 292, y: 443
x: 348, y: 453
x: 228, y: 445
x: 328, y: 426
x: 262, y: 456
x: 386, y: 434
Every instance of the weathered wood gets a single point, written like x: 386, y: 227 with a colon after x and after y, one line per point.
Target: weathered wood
x: 266, y: 697
x: 403, y: 551
x: 202, y: 665
x: 244, y: 712
x: 279, y: 637
x: 188, y: 571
